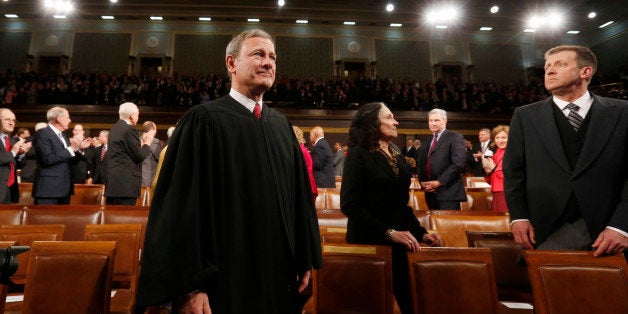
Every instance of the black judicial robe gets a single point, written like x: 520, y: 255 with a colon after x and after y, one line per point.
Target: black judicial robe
x: 232, y: 213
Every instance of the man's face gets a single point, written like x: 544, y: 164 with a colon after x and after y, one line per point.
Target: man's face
x: 254, y: 68
x: 408, y: 143
x: 64, y: 120
x: 562, y: 74
x: 134, y: 117
x: 436, y: 123
x: 102, y: 138
x: 8, y: 121
x: 484, y: 136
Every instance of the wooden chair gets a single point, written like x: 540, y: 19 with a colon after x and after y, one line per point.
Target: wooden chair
x: 25, y: 235
x: 478, y: 199
x: 417, y: 200
x: 355, y: 279
x: 26, y: 198
x: 69, y: 277
x: 333, y: 235
x: 453, y: 280
x: 145, y: 198
x: 577, y: 282
x: 11, y: 214
x: 128, y: 239
x: 511, y: 277
x: 332, y: 200
x: 319, y: 203
x: 74, y: 217
x: 452, y: 224
x: 88, y: 194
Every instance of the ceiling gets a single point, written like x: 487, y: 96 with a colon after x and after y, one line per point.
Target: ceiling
x: 410, y: 13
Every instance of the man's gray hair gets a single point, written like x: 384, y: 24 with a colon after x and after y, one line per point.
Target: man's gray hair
x: 127, y: 109
x: 441, y: 112
x: 234, y: 46
x: 55, y: 112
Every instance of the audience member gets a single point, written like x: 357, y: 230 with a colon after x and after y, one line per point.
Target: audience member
x: 162, y: 155
x: 409, y: 150
x: 98, y: 160
x: 322, y: 159
x: 339, y: 159
x: 493, y: 170
x: 149, y: 165
x: 234, y: 190
x: 55, y: 152
x: 483, y: 144
x: 13, y: 151
x: 374, y: 195
x: 565, y: 172
x: 441, y: 164
x: 125, y: 154
x: 308, y: 159
x: 79, y: 166
x: 27, y: 173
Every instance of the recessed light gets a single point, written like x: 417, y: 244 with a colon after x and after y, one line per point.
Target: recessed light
x: 486, y: 28
x: 58, y: 16
x: 302, y: 21
x: 573, y: 32
x: 592, y: 14
x: 253, y: 20
x: 529, y: 30
x: 441, y: 26
x: 108, y: 17
x: 11, y: 16
x: 494, y: 9
x: 349, y: 23
x: 390, y: 7
x: 156, y: 18
x: 205, y: 18
x: 607, y: 24
x: 396, y: 24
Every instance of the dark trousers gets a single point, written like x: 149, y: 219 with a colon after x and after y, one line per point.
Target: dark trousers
x: 433, y: 203
x: 121, y: 200
x: 52, y: 200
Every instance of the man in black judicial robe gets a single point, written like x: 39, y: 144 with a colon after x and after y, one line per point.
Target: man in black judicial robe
x: 233, y: 225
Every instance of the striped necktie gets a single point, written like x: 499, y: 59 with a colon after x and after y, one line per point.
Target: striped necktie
x: 574, y: 118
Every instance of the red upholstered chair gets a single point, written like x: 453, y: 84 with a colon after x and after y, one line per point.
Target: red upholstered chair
x: 453, y: 280
x: 355, y: 279
x: 570, y: 282
x: 69, y: 277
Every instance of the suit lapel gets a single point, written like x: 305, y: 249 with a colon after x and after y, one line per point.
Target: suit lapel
x: 545, y: 124
x: 440, y: 141
x: 604, y: 118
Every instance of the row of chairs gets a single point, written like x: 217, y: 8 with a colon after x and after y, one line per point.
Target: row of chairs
x: 478, y: 199
x: 84, y: 194
x: 358, y: 279
x: 123, y: 278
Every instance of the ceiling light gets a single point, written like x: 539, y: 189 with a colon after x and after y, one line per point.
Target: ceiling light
x: 58, y: 16
x: 348, y: 23
x: 205, y: 18
x: 11, y: 16
x: 113, y: 1
x: 253, y: 20
x: 592, y: 14
x: 573, y: 32
x: 302, y: 21
x: 486, y: 28
x: 390, y: 7
x: 281, y: 3
x: 494, y: 9
x: 606, y: 24
x: 396, y: 24
x: 529, y: 30
x: 440, y: 26
x: 108, y: 17
x: 156, y: 18
x: 59, y: 6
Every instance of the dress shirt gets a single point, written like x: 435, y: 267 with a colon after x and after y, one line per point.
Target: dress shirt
x: 62, y: 139
x: 245, y: 101
x: 584, y: 102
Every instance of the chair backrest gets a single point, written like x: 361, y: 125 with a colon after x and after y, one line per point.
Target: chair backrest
x: 478, y: 199
x: 452, y: 224
x: 511, y: 276
x: 417, y: 200
x: 88, y: 194
x: 145, y: 198
x: 74, y: 217
x: 453, y: 280
x: 128, y: 239
x: 11, y: 214
x: 26, y: 198
x: 123, y: 214
x: 355, y: 279
x: 333, y: 235
x: 332, y: 200
x: 69, y: 277
x: 25, y: 235
x: 577, y: 282
x: 320, y: 200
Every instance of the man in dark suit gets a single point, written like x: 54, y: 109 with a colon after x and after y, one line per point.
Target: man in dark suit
x: 98, y: 159
x: 441, y: 163
x: 53, y: 182
x: 478, y: 150
x: 566, y: 177
x: 80, y: 166
x: 11, y: 150
x: 322, y: 159
x: 125, y: 154
x: 409, y: 150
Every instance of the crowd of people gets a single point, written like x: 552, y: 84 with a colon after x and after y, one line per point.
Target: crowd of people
x: 187, y: 90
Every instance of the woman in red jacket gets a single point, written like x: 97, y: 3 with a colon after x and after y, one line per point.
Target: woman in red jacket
x: 493, y: 167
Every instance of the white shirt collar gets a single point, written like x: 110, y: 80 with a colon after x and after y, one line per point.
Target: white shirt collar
x: 55, y: 129
x: 245, y: 101
x: 584, y: 102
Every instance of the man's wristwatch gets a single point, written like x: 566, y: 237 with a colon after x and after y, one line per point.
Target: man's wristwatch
x: 390, y: 232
